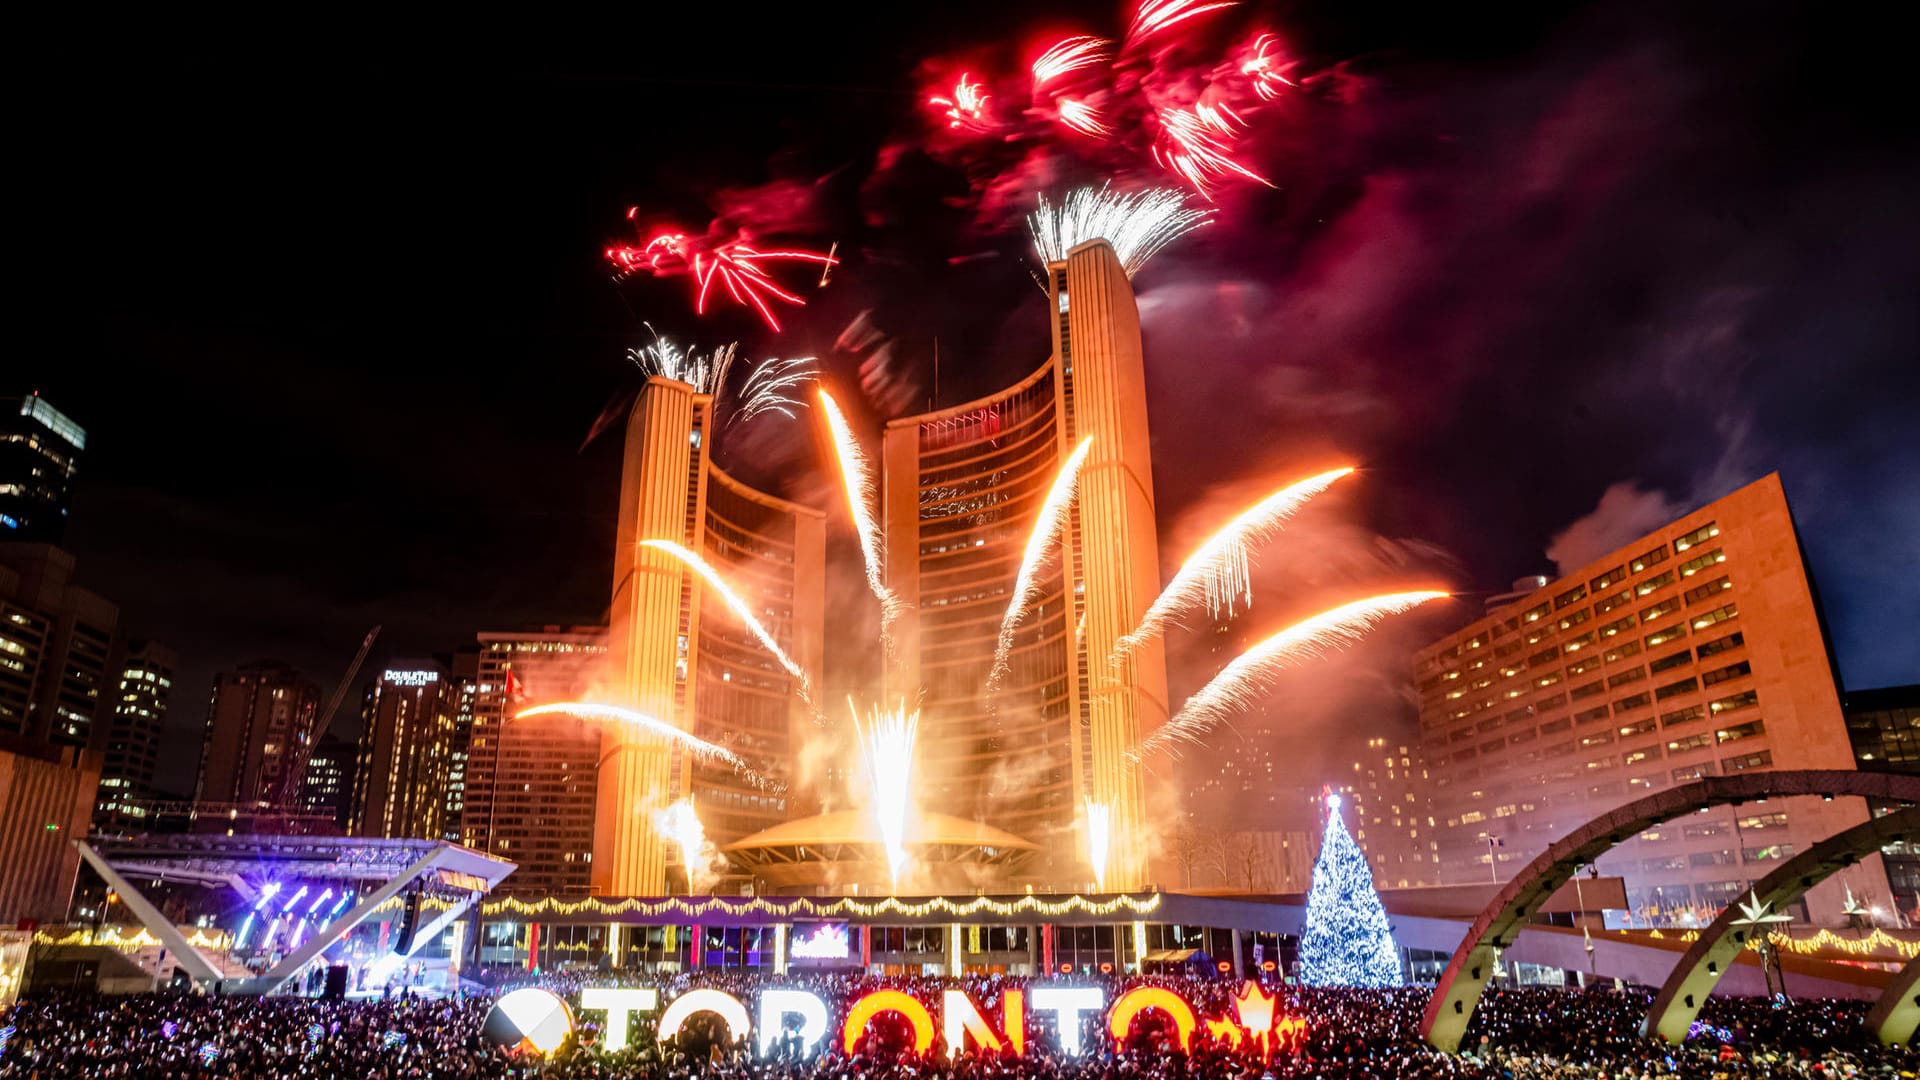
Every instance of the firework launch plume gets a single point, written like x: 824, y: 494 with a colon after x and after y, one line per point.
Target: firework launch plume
x: 1099, y: 837
x: 1047, y: 526
x: 1217, y: 574
x: 741, y: 611
x: 856, y: 475
x: 1253, y: 672
x: 614, y: 714
x: 886, y: 751
x: 680, y: 825
x: 772, y: 385
x: 1137, y: 225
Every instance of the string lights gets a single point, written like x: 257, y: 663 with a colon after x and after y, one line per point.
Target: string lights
x: 803, y: 906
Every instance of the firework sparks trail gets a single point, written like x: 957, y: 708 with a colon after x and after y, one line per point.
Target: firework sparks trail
x: 1082, y: 118
x: 741, y: 611
x: 1264, y: 68
x: 1254, y: 671
x: 1099, y: 837
x: 1155, y: 16
x: 614, y: 714
x: 680, y: 825
x: 734, y: 265
x: 886, y: 750
x: 1137, y: 225
x: 772, y: 385
x: 1196, y: 144
x: 1048, y: 524
x: 1217, y: 573
x: 857, y: 477
x: 1067, y: 56
x: 967, y: 108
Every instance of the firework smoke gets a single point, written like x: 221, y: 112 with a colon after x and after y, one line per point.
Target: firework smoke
x: 1047, y: 525
x: 1217, y: 573
x: 735, y: 265
x: 1239, y: 685
x: 1137, y: 225
x: 1099, y: 837
x: 856, y: 475
x: 886, y: 750
x: 741, y: 610
x: 681, y: 827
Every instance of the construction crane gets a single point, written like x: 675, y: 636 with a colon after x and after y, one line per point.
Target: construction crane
x: 288, y: 798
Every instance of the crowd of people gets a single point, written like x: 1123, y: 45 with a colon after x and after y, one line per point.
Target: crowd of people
x: 1349, y: 1034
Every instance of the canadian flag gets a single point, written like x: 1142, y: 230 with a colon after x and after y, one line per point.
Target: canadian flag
x: 514, y: 687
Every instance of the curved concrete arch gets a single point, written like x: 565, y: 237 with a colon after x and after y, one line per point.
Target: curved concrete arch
x: 1719, y: 945
x: 1897, y: 1013
x: 1467, y: 974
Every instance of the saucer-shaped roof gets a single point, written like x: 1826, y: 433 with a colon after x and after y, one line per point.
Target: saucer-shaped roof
x: 854, y: 827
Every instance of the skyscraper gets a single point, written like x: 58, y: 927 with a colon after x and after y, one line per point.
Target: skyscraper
x: 530, y: 785
x: 256, y: 715
x: 326, y: 785
x: 131, y: 740
x: 58, y: 682
x: 406, y: 753
x: 1697, y: 650
x: 962, y: 488
x: 466, y: 696
x: 39, y: 454
x: 676, y: 653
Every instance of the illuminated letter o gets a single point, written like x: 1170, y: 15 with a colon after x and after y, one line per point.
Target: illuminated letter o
x: 880, y: 1001
x: 1142, y: 998
x: 718, y: 1002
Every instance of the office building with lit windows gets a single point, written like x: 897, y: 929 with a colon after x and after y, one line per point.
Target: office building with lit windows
x: 466, y: 696
x: 326, y: 785
x: 39, y: 455
x: 961, y: 489
x: 257, y: 716
x: 58, y: 679
x: 406, y: 753
x: 530, y: 785
x: 1694, y: 651
x: 675, y: 651
x: 130, y: 742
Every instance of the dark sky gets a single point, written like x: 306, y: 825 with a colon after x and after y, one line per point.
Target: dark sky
x: 328, y: 298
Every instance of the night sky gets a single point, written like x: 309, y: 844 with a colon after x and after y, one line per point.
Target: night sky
x: 330, y: 303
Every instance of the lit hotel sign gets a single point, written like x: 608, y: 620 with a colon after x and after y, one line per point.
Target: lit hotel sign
x: 538, y: 1020
x: 411, y: 678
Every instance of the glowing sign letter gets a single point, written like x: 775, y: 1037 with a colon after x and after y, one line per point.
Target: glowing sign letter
x: 620, y: 1003
x: 1142, y: 998
x: 1013, y: 1018
x: 872, y: 1005
x: 1067, y: 1003
x: 719, y: 1002
x: 962, y: 1018
x: 777, y: 1005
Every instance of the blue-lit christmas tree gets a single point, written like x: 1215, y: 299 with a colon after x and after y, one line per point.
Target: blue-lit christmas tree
x: 1347, y: 941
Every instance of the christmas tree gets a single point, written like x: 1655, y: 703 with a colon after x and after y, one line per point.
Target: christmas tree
x: 1347, y: 941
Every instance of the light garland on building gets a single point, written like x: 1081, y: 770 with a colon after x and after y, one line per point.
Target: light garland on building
x: 803, y: 906
x: 1876, y: 945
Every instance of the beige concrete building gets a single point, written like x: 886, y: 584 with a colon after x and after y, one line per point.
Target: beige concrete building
x: 961, y: 489
x: 1696, y: 650
x: 676, y: 653
x: 46, y: 803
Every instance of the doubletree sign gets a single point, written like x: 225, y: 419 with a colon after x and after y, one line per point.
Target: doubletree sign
x: 538, y: 1021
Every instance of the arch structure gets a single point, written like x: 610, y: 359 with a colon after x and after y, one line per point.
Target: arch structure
x: 1897, y: 1013
x: 1467, y: 974
x: 1720, y: 944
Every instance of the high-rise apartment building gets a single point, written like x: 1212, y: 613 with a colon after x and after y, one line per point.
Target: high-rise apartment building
x: 131, y: 740
x: 58, y: 679
x: 465, y: 684
x: 1697, y: 650
x: 530, y: 784
x: 257, y: 716
x: 326, y: 785
x: 677, y: 653
x: 962, y: 488
x: 39, y: 454
x: 406, y: 754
